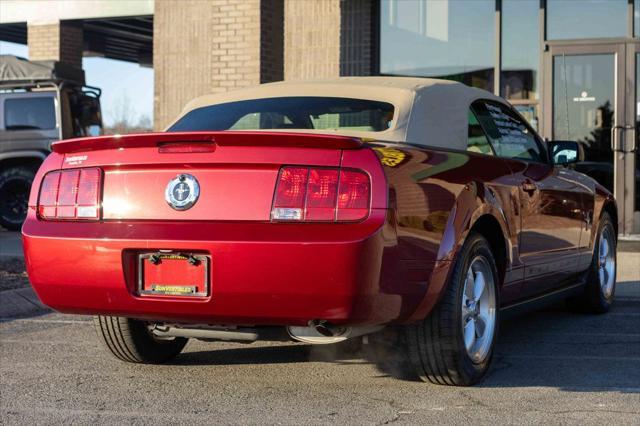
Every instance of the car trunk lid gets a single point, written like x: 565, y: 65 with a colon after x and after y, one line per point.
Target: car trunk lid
x: 236, y: 171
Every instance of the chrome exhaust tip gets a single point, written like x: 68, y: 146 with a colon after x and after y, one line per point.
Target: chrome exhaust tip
x: 325, y: 328
x: 320, y: 332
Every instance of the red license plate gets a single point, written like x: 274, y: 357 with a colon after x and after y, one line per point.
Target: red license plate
x: 173, y: 274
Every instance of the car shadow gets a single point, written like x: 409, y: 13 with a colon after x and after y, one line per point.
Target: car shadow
x: 571, y: 351
x: 281, y: 353
x: 546, y: 348
x: 284, y: 354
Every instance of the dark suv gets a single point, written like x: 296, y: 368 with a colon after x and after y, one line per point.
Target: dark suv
x: 40, y: 102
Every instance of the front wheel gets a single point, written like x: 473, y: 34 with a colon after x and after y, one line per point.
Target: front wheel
x: 454, y: 344
x: 130, y: 340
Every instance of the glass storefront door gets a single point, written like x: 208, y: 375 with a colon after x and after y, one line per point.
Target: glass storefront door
x: 632, y: 138
x: 590, y: 96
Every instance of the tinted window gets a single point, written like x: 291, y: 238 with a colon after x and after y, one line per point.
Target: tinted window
x: 477, y: 140
x: 290, y: 113
x: 508, y: 133
x: 520, y: 49
x: 32, y: 113
x: 636, y: 23
x: 434, y: 38
x: 586, y: 19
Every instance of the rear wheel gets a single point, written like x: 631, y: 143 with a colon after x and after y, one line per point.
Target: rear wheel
x: 601, y: 277
x: 454, y: 344
x: 131, y: 341
x: 15, y: 185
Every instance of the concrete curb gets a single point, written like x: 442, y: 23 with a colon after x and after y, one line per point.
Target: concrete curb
x: 628, y: 246
x: 10, y: 244
x: 20, y: 302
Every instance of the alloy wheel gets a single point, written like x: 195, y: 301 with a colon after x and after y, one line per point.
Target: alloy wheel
x: 478, y: 309
x: 606, y: 262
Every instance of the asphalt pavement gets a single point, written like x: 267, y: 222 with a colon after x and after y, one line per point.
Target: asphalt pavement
x: 551, y: 367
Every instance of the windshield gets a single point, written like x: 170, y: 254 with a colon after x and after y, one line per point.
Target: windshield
x: 305, y: 112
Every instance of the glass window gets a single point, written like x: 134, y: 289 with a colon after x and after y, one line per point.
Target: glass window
x: 584, y: 90
x: 520, y: 49
x: 304, y: 112
x: 29, y: 113
x: 454, y: 40
x: 477, y: 140
x: 569, y: 19
x: 636, y: 18
x: 637, y: 136
x: 509, y: 135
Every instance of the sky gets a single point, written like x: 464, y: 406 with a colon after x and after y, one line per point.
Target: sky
x: 121, y: 82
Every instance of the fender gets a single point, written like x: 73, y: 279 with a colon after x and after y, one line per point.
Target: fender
x: 473, y: 203
x: 477, y: 200
x: 603, y: 199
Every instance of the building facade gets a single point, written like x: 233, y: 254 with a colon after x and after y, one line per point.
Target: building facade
x: 570, y: 66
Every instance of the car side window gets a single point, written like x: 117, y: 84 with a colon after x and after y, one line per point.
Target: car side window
x: 510, y: 136
x: 477, y: 140
x: 30, y: 113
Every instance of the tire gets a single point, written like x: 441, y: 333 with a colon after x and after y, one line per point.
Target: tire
x: 436, y: 346
x: 15, y: 185
x: 601, y: 277
x: 130, y: 340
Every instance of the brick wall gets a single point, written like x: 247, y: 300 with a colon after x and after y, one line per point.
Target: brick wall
x: 311, y: 39
x: 329, y: 38
x: 203, y: 47
x: 182, y: 55
x: 62, y: 42
x: 214, y: 46
x: 235, y: 44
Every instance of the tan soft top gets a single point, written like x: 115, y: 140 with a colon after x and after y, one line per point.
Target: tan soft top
x: 427, y: 111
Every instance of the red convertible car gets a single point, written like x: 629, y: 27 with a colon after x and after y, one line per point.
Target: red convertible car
x: 322, y: 211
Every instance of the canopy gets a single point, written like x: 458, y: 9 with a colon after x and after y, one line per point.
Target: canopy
x: 14, y: 69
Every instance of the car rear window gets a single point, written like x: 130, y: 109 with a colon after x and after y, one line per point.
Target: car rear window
x: 29, y: 113
x: 304, y: 112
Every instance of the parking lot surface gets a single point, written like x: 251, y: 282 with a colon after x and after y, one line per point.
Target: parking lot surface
x: 551, y: 366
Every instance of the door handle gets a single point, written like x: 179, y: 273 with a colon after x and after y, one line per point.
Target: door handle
x: 528, y: 186
x: 616, y: 144
x: 633, y: 147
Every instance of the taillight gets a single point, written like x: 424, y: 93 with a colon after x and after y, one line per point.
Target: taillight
x: 70, y: 195
x: 288, y: 203
x: 322, y: 190
x: 353, y: 195
x: 321, y: 194
x: 49, y: 195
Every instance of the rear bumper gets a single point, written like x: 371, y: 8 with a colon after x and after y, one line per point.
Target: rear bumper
x: 261, y: 274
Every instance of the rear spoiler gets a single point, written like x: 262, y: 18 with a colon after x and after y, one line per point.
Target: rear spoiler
x: 225, y: 138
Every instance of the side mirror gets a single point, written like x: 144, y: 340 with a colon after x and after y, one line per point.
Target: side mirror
x: 565, y: 152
